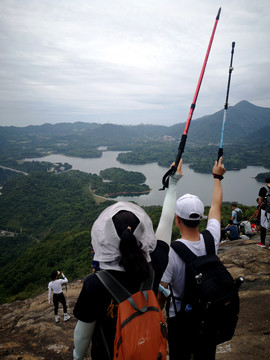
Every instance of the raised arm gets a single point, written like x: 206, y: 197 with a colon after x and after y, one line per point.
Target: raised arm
x: 164, y: 229
x: 65, y: 280
x: 215, y: 209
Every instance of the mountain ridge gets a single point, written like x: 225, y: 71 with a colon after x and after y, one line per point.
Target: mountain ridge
x: 242, y: 120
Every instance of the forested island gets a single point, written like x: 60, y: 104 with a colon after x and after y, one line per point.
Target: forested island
x: 262, y: 176
x: 122, y: 182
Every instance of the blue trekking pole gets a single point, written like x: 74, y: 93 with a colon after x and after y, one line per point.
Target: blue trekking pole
x: 220, y: 150
x: 181, y: 147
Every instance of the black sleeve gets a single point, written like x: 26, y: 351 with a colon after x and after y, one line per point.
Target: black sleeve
x: 262, y: 192
x: 159, y: 260
x: 89, y: 305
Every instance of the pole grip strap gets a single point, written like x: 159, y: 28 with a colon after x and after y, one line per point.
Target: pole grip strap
x: 172, y: 170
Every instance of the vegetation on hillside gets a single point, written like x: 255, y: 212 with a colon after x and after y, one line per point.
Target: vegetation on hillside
x: 52, y: 216
x: 47, y: 216
x: 199, y: 157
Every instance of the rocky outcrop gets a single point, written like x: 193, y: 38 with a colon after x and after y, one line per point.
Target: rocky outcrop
x: 28, y: 331
x: 252, y: 337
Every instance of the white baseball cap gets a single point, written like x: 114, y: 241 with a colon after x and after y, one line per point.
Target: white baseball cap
x: 105, y: 240
x: 189, y: 207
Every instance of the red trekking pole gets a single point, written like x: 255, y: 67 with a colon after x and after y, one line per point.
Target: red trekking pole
x: 181, y: 147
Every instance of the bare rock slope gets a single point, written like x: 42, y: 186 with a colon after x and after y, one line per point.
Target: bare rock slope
x: 28, y: 331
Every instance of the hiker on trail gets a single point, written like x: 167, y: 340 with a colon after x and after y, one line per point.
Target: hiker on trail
x: 264, y: 202
x: 124, y: 243
x: 237, y: 215
x: 232, y: 230
x: 55, y: 286
x: 183, y: 336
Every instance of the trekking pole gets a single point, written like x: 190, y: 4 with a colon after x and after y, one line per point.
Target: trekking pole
x: 181, y: 147
x: 67, y: 295
x: 256, y: 212
x: 220, y: 150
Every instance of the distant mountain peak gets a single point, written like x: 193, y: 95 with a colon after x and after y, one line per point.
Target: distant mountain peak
x: 245, y: 103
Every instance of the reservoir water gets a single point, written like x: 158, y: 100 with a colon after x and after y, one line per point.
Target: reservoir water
x: 238, y: 185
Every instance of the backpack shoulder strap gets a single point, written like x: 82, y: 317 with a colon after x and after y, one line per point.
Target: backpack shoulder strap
x: 115, y: 288
x: 183, y: 252
x: 209, y: 242
x: 187, y: 255
x: 149, y: 282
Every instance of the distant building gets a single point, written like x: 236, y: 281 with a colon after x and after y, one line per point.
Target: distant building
x: 168, y: 138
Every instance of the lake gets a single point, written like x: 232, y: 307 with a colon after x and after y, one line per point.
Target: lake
x: 238, y: 185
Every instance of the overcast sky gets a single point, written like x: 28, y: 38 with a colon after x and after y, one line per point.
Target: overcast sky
x: 128, y: 61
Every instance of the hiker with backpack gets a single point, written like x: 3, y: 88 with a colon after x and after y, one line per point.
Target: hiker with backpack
x: 193, y: 325
x: 117, y: 309
x: 237, y: 215
x: 55, y: 286
x: 264, y: 202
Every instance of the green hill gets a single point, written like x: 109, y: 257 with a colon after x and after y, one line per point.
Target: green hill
x: 242, y: 121
x: 49, y: 218
x: 46, y: 218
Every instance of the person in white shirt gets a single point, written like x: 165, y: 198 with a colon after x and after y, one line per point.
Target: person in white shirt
x: 184, y: 339
x: 55, y: 286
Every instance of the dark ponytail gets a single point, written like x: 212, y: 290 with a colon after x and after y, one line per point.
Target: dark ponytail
x: 133, y: 257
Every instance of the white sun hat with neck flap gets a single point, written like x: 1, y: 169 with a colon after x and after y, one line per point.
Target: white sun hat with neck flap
x: 105, y: 240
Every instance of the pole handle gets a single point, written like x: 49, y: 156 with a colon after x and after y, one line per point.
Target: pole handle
x: 218, y: 14
x: 220, y: 153
x: 172, y: 170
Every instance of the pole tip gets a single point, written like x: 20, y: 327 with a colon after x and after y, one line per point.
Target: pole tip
x: 233, y: 44
x: 219, y: 10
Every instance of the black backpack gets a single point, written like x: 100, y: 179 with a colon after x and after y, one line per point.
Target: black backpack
x: 239, y: 215
x: 211, y: 300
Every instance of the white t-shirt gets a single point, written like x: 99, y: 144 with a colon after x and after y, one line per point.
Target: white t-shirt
x: 265, y: 219
x: 56, y: 286
x: 176, y: 268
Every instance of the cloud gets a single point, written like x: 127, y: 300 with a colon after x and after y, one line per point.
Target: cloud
x: 128, y: 61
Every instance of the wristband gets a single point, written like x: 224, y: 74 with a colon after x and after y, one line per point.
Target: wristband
x: 216, y: 176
